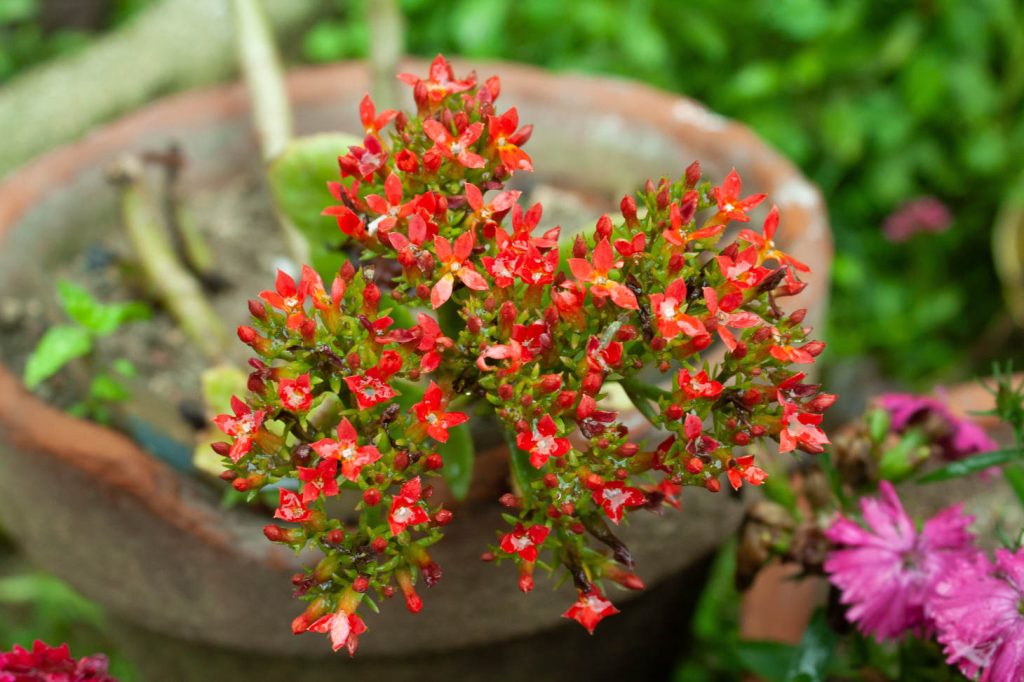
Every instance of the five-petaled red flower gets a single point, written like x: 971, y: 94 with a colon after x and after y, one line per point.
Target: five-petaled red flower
x: 506, y: 139
x: 456, y: 148
x: 765, y: 244
x: 242, y: 427
x: 287, y: 298
x: 291, y: 508
x: 440, y: 81
x: 698, y: 385
x: 725, y: 319
x: 669, y: 310
x: 372, y: 123
x: 346, y: 449
x: 388, y: 208
x: 295, y: 394
x: 323, y: 478
x: 597, y: 274
x: 372, y: 388
x: 405, y: 507
x: 524, y: 541
x: 431, y: 415
x: 590, y: 609
x: 455, y: 263
x: 542, y: 442
x: 800, y: 429
x: 743, y: 469
x: 730, y: 205
x: 613, y: 497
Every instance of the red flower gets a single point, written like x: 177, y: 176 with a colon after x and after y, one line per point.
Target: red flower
x: 730, y: 205
x: 743, y: 469
x: 455, y: 264
x: 680, y: 215
x: 696, y: 442
x: 669, y: 310
x: 344, y: 629
x: 765, y: 244
x: 525, y: 541
x: 800, y: 429
x: 296, y: 394
x: 597, y: 275
x: 457, y: 148
x: 372, y: 388
x: 614, y: 497
x: 346, y: 449
x: 440, y: 82
x: 542, y: 442
x: 405, y: 508
x: 790, y: 354
x: 742, y: 272
x: 372, y: 123
x: 362, y: 162
x: 348, y: 221
x: 389, y: 208
x: 287, y: 298
x: 590, y: 609
x: 321, y: 479
x: 506, y: 140
x: 242, y: 427
x: 724, y: 320
x: 493, y: 211
x: 431, y: 415
x: 51, y: 664
x: 291, y: 508
x: 699, y: 385
x: 602, y: 358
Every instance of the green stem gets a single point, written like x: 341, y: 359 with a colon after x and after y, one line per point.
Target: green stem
x: 174, y: 286
x: 272, y: 116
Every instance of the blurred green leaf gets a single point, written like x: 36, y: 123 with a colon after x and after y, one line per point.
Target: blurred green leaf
x: 59, y: 346
x: 298, y: 180
x: 970, y: 465
x: 100, y: 318
x: 106, y: 388
x: 770, y: 661
x: 812, y: 656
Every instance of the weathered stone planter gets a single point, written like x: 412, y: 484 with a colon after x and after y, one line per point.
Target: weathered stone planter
x: 195, y: 592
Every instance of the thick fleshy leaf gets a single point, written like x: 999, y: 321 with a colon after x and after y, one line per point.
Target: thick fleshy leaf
x: 298, y: 179
x: 59, y: 346
x: 971, y: 465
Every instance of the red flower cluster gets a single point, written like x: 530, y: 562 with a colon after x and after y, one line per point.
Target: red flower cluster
x: 354, y: 392
x: 44, y: 663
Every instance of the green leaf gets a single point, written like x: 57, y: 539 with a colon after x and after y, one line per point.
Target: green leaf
x: 970, y: 465
x: 298, y: 179
x: 99, y: 318
x: 769, y: 660
x: 812, y: 655
x: 106, y: 387
x: 59, y: 346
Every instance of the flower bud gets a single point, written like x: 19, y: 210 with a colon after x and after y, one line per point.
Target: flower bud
x: 740, y: 351
x: 603, y: 229
x: 378, y: 544
x: 509, y: 501
x: 360, y: 584
x: 566, y: 399
x: 401, y: 462
x: 221, y: 448
x: 371, y: 496
x: 692, y: 175
x: 549, y: 383
x: 335, y: 536
x: 434, y: 462
x: 694, y: 465
x: 579, y: 247
x: 257, y: 309
x: 820, y: 402
x: 713, y: 485
x: 443, y: 517
x: 663, y: 197
x: 814, y: 347
x: 797, y: 317
x: 628, y: 208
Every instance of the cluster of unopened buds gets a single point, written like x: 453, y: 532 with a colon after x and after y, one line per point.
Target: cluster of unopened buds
x: 358, y: 383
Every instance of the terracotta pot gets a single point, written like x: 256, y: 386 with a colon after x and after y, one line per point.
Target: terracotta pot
x: 198, y: 592
x: 778, y: 608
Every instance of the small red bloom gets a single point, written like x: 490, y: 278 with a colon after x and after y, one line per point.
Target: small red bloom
x: 724, y: 320
x: 790, y: 354
x: 405, y: 508
x: 456, y: 148
x: 669, y: 310
x: 346, y: 449
x: 680, y: 215
x: 597, y: 274
x: 765, y: 244
x: 388, y: 208
x: 372, y: 388
x: 590, y: 609
x: 603, y: 358
x: 525, y: 541
x: 291, y: 508
x: 296, y: 394
x: 287, y: 298
x: 730, y: 205
x: 242, y: 427
x: 344, y: 629
x: 455, y: 264
x: 362, y: 162
x: 44, y: 663
x: 542, y: 442
x: 800, y: 429
x: 440, y: 82
x: 372, y: 123
x: 743, y: 469
x: 320, y: 479
x: 614, y: 497
x: 743, y: 272
x: 431, y: 415
x: 506, y: 140
x: 699, y: 385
